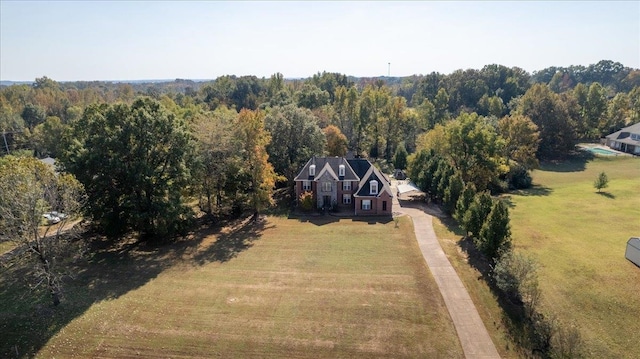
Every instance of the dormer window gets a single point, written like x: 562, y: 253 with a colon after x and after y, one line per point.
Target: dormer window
x: 373, y: 186
x: 312, y: 170
x: 341, y: 171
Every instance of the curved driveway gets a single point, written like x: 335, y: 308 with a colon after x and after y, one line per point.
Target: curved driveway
x: 474, y: 338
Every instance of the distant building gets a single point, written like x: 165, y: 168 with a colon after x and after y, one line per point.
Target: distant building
x: 626, y: 140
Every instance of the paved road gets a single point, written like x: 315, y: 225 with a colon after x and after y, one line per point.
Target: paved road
x: 474, y: 338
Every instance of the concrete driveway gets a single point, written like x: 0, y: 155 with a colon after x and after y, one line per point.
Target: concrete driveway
x: 473, y: 335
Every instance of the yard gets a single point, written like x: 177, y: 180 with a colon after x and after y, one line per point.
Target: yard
x: 285, y: 288
x: 579, y: 237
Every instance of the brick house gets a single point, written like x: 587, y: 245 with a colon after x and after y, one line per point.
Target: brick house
x: 346, y: 184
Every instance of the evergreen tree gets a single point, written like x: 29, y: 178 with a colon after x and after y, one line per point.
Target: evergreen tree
x: 400, y: 157
x: 495, y: 235
x: 464, y: 201
x: 452, y: 193
x: 477, y: 213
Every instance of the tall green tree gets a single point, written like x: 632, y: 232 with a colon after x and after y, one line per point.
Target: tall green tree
x: 134, y: 162
x: 400, y: 157
x: 295, y: 137
x: 547, y: 111
x: 216, y: 175
x: 464, y: 201
x: 475, y: 149
x: 495, y: 235
x: 477, y: 213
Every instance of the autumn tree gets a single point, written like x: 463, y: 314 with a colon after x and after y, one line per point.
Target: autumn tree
x: 521, y: 138
x: 134, y: 162
x: 251, y: 132
x: 28, y: 189
x: 336, y: 141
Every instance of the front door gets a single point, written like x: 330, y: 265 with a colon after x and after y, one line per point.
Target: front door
x: 384, y: 205
x: 326, y: 201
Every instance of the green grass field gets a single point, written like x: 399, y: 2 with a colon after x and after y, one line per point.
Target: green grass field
x: 289, y: 288
x: 579, y: 236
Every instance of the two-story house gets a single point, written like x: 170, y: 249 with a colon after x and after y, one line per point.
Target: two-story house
x: 348, y: 184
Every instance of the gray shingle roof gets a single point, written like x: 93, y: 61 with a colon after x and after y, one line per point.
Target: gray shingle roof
x: 334, y: 164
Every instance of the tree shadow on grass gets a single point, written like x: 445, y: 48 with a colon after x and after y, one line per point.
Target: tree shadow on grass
x: 229, y: 242
x: 606, y: 194
x: 114, y: 268
x: 575, y: 162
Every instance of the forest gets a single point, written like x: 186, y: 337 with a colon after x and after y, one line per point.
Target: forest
x: 229, y: 142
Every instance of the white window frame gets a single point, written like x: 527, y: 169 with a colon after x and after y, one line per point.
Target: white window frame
x: 341, y: 170
x: 346, y: 186
x: 326, y: 186
x: 306, y: 185
x: 373, y: 184
x: 366, y: 204
x: 312, y: 170
x: 346, y: 199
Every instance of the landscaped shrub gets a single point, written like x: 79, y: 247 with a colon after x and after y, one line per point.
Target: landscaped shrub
x: 519, y: 178
x: 306, y: 201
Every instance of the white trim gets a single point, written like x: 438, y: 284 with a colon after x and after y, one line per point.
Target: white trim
x: 373, y: 184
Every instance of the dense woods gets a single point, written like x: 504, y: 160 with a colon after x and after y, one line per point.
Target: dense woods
x: 145, y: 150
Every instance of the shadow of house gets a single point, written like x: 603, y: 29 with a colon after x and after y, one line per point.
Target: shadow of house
x: 27, y: 318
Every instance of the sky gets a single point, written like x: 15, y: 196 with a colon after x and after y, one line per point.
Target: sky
x: 136, y: 40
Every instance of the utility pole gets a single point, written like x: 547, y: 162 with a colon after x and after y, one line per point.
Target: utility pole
x: 5, y: 141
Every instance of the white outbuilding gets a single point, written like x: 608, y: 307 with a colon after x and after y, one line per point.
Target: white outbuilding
x: 633, y: 250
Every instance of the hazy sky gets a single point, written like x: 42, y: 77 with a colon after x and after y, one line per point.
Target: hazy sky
x: 127, y: 40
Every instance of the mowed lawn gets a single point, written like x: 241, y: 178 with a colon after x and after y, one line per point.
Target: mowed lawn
x: 293, y: 289
x: 579, y: 237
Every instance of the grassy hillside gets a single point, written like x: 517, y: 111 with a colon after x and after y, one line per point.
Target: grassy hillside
x: 289, y: 288
x: 579, y: 236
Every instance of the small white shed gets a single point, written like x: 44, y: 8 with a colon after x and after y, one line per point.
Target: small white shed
x: 633, y: 250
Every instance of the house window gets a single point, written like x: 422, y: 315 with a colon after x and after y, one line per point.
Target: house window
x: 341, y: 171
x: 326, y: 186
x: 346, y: 186
x: 384, y: 205
x: 306, y: 185
x: 366, y: 204
x: 312, y: 170
x: 346, y: 199
x: 373, y: 185
x: 635, y: 136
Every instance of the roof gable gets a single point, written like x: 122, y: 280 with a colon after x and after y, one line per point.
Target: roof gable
x: 324, y: 164
x: 373, y: 174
